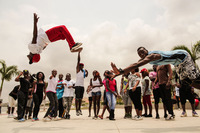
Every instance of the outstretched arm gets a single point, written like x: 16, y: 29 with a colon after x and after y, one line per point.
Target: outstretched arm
x: 35, y: 31
x: 78, y: 62
x: 141, y: 62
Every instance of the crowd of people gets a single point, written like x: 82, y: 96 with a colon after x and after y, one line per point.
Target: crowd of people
x: 136, y: 87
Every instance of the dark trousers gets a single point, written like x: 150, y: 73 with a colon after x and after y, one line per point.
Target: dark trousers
x: 53, y: 104
x: 136, y: 98
x: 60, y: 107
x: 166, y: 97
x: 37, y: 99
x: 22, y: 101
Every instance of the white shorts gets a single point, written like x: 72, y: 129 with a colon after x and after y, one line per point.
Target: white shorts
x: 11, y: 101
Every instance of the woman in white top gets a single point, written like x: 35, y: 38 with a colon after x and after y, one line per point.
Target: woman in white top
x: 68, y: 94
x: 96, y: 83
x: 146, y: 91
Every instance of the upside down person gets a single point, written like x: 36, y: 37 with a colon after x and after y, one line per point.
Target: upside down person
x: 41, y: 40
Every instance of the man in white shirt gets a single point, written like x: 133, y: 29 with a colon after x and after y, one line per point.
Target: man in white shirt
x: 41, y: 40
x: 79, y: 86
x: 68, y: 94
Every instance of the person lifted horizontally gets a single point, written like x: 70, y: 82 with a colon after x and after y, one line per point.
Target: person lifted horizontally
x: 181, y: 59
x: 41, y: 40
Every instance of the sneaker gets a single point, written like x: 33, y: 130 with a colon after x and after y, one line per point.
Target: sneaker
x: 125, y: 116
x: 47, y: 119
x: 129, y: 115
x: 80, y: 112
x: 184, y: 114
x: 194, y: 114
x: 144, y: 115
x: 36, y: 119
x: 150, y: 115
x: 157, y: 116
x: 135, y: 117
x: 33, y: 119
x: 169, y: 117
x: 77, y: 113
x: 95, y: 118
x: 101, y: 117
x: 59, y: 118
x: 165, y: 116
x: 139, y: 118
x: 9, y: 116
x: 55, y: 119
x: 21, y: 120
x: 68, y: 116
x: 76, y: 45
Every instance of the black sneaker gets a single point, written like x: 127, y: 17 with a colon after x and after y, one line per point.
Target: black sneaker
x: 76, y: 45
x: 150, y: 115
x: 157, y: 116
x: 68, y: 116
x: 144, y: 115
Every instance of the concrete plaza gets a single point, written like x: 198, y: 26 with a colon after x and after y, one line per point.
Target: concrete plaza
x: 85, y: 124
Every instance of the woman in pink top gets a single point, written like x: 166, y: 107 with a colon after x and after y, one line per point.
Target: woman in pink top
x: 111, y: 92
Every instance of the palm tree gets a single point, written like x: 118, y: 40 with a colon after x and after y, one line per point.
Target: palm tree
x: 194, y: 52
x: 7, y: 72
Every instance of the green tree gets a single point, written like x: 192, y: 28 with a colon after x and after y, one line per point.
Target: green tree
x: 7, y: 72
x: 194, y: 52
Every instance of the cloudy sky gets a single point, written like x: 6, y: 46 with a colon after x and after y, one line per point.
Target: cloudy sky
x: 110, y: 30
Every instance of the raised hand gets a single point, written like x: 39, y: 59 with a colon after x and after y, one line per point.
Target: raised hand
x: 115, y: 70
x: 35, y: 17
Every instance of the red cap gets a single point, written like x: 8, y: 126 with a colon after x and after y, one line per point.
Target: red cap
x: 36, y: 58
x: 144, y: 69
x: 81, y: 64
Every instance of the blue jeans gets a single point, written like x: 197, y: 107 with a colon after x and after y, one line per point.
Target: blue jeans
x: 111, y: 100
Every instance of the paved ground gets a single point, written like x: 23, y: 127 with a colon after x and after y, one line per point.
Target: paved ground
x: 81, y: 124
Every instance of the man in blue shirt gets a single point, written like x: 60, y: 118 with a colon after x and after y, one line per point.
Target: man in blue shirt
x: 182, y: 61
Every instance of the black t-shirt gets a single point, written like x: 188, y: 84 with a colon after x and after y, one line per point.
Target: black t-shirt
x: 25, y: 85
x: 13, y: 93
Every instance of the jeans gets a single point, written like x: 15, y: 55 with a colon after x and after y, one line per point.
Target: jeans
x: 53, y: 104
x: 111, y: 100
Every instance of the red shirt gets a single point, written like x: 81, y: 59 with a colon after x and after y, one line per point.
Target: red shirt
x: 112, y: 84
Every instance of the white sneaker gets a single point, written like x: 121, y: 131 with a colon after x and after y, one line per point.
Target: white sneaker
x: 170, y: 117
x: 184, y: 114
x: 139, y: 118
x: 135, y: 117
x: 46, y: 119
x: 55, y: 119
x: 194, y: 114
x: 59, y: 118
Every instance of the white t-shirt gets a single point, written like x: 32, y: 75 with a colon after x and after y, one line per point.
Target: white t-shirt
x: 80, y: 79
x: 42, y: 40
x: 52, y: 84
x: 177, y: 91
x: 133, y: 78
x: 148, y: 92
x: 95, y: 83
x: 68, y: 92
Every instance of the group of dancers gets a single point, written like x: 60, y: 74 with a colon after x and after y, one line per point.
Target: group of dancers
x: 187, y: 72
